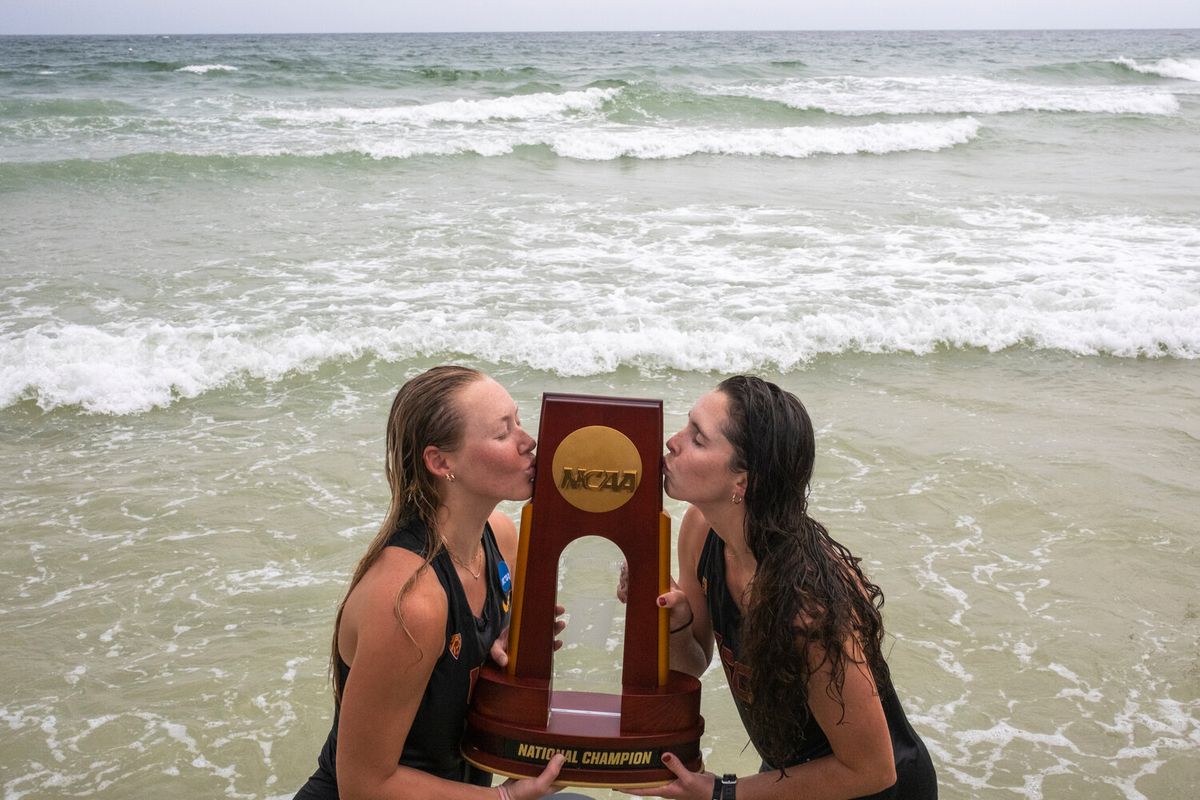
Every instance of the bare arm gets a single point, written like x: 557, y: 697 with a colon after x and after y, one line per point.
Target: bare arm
x: 862, y: 762
x: 692, y: 644
x: 391, y: 661
x: 390, y: 665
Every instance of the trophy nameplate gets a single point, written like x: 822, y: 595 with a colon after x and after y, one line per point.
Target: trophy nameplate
x: 599, y: 474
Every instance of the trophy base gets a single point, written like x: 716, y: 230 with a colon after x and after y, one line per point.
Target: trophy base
x: 515, y: 726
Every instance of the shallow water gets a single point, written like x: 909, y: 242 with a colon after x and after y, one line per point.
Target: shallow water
x: 171, y: 580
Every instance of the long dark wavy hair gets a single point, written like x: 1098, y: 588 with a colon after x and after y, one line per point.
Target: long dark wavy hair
x: 808, y: 590
x: 424, y: 413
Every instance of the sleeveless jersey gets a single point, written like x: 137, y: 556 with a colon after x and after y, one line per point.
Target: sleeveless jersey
x: 433, y: 740
x: 915, y: 778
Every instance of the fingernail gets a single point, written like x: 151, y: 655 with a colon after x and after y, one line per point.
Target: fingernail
x: 662, y: 602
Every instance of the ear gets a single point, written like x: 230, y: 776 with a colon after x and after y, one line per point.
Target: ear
x: 740, y: 483
x: 435, y: 461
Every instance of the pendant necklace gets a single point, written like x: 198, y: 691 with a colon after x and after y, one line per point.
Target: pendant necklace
x: 473, y: 573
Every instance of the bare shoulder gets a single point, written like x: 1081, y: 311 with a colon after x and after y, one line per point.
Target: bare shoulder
x: 693, y: 520
x: 426, y: 595
x: 376, y: 612
x: 693, y: 530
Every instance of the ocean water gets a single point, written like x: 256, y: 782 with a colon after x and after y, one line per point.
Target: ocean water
x: 975, y: 256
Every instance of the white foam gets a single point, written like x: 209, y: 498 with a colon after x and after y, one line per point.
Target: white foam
x: 946, y: 659
x: 1024, y: 652
x: 290, y: 675
x: 201, y: 69
x: 66, y: 594
x: 932, y: 579
x: 952, y: 94
x: 1187, y: 69
x: 794, y: 142
x: 1003, y: 733
x: 74, y: 675
x: 514, y: 107
x: 610, y: 142
x: 118, y: 370
x: 571, y: 124
x: 759, y: 288
x: 268, y: 578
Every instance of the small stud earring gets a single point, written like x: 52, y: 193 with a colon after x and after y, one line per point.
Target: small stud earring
x: 450, y: 477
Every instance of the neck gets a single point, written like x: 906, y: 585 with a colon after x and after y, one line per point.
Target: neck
x: 461, y: 526
x: 729, y: 522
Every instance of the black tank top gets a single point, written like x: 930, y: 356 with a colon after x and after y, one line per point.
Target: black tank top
x: 433, y: 740
x: 915, y: 778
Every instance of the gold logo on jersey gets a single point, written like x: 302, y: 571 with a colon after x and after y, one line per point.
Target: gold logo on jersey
x: 455, y: 645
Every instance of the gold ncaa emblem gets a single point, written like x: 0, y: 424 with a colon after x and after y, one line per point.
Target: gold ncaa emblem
x: 597, y: 468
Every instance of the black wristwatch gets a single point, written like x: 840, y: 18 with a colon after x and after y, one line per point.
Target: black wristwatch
x: 725, y: 787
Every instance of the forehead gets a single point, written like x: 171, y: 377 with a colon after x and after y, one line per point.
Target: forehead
x: 484, y: 401
x: 710, y: 413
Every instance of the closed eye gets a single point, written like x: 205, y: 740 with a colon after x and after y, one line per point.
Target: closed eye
x: 509, y: 427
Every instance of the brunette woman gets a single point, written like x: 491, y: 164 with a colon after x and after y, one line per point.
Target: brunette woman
x: 794, y: 619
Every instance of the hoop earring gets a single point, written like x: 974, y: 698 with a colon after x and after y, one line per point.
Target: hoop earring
x: 737, y: 501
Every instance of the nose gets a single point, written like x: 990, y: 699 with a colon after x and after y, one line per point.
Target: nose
x: 530, y: 444
x: 672, y: 445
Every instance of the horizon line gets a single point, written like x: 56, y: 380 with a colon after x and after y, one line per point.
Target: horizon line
x: 597, y: 30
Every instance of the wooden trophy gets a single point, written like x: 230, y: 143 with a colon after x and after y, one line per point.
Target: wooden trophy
x: 599, y: 474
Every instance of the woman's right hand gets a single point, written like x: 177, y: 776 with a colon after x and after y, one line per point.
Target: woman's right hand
x: 542, y: 785
x: 678, y: 607
x: 675, y: 600
x: 686, y: 786
x: 499, y: 651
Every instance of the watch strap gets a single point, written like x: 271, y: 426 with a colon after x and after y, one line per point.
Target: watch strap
x: 725, y: 787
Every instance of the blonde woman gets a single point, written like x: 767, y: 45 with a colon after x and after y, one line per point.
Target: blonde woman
x: 429, y: 600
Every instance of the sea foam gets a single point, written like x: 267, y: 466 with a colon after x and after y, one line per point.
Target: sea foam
x: 201, y: 69
x: 515, y: 107
x: 107, y: 370
x: 794, y: 142
x: 606, y: 142
x: 952, y: 94
x: 1187, y: 69
x: 695, y: 288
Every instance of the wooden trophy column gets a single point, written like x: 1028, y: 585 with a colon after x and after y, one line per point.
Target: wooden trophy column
x: 599, y: 474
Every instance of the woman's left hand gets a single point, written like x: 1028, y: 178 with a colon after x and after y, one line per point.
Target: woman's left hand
x: 686, y: 786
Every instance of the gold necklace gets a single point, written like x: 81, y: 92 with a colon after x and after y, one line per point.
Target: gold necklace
x: 474, y: 574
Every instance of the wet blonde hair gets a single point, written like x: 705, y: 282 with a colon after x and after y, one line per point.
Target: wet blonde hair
x: 425, y: 412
